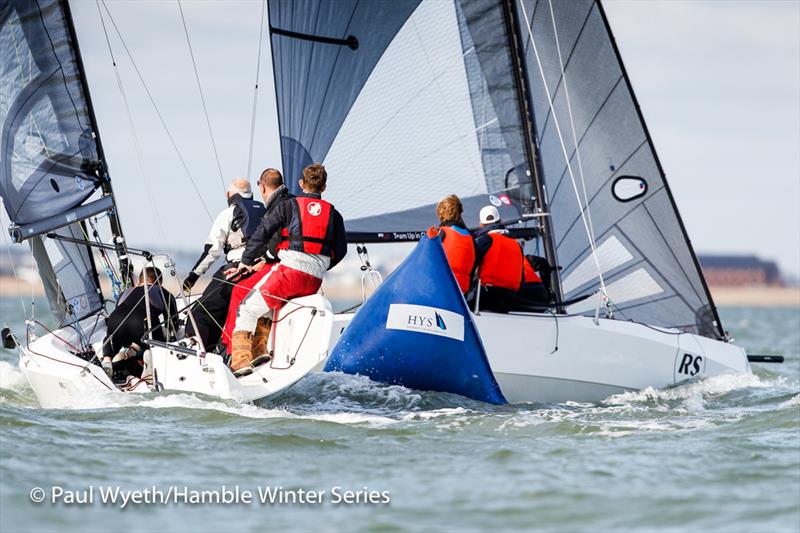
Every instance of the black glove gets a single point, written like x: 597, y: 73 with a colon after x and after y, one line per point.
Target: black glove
x: 189, y: 282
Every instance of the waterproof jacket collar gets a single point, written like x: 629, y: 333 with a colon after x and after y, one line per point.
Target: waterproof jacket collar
x: 277, y: 195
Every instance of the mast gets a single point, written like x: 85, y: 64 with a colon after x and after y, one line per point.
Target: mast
x: 531, y: 146
x: 113, y: 219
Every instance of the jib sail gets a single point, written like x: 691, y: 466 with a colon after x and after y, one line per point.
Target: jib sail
x: 581, y: 92
x: 51, y: 171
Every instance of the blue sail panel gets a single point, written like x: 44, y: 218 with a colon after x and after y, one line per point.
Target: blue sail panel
x: 417, y: 331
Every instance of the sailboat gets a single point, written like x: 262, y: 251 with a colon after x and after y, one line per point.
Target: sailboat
x: 520, y: 104
x: 56, y: 188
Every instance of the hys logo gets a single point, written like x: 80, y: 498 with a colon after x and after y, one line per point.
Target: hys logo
x: 314, y: 208
x: 424, y: 319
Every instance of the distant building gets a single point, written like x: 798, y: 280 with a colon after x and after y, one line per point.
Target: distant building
x: 739, y: 271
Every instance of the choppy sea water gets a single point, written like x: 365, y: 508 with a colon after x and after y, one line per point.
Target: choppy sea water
x: 721, y: 454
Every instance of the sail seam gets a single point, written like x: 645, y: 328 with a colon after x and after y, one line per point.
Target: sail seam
x: 60, y: 65
x: 602, y: 187
x: 572, y: 126
x: 671, y: 251
x: 566, y: 63
x: 604, y: 233
x: 586, y: 132
x: 664, y: 278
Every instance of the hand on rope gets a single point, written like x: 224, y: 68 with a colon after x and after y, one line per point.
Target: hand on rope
x: 239, y: 271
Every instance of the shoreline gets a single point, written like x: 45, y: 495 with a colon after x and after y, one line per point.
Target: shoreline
x: 753, y: 296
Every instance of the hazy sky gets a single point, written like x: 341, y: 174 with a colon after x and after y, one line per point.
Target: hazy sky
x: 718, y: 82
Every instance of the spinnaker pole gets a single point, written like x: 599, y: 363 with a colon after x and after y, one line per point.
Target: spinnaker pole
x: 511, y: 17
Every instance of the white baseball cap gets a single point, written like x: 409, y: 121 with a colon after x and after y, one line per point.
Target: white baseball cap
x: 489, y: 215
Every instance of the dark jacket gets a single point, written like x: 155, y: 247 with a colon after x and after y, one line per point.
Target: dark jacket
x: 269, y: 250
x: 281, y: 217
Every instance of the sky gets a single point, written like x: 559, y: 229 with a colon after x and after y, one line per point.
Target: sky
x: 718, y: 83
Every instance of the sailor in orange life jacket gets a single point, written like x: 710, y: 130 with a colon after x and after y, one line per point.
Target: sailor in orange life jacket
x: 458, y: 243
x: 502, y: 261
x: 313, y: 241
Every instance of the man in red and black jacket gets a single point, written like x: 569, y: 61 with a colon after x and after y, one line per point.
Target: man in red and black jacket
x: 313, y: 240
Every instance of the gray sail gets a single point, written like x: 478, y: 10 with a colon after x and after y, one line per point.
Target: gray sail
x: 404, y: 102
x: 50, y: 160
x: 648, y: 264
x: 408, y: 101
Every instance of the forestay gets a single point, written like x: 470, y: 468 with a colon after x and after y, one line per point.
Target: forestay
x: 50, y: 161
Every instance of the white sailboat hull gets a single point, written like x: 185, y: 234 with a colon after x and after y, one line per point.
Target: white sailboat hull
x: 299, y: 340
x: 592, y: 361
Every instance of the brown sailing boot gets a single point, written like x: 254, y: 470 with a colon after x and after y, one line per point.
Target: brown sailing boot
x: 241, y: 356
x: 260, y: 341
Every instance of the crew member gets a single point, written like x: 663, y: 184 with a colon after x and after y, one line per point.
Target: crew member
x: 229, y: 233
x: 313, y: 240
x: 503, y: 265
x: 458, y: 242
x: 274, y: 192
x: 127, y: 323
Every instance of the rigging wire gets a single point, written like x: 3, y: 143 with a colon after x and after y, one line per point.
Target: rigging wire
x: 202, y: 96
x: 136, y: 144
x: 550, y: 102
x: 152, y: 101
x: 255, y: 92
x: 572, y: 121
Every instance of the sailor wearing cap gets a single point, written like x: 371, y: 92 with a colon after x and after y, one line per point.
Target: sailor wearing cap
x: 502, y: 262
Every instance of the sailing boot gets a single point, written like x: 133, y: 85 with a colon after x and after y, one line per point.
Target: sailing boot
x: 242, y: 356
x: 260, y: 341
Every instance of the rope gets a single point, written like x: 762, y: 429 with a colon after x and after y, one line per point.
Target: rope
x: 550, y: 102
x: 255, y: 92
x: 202, y: 96
x: 152, y: 100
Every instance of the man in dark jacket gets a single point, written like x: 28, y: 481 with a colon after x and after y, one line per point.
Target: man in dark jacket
x: 127, y: 323
x: 313, y: 240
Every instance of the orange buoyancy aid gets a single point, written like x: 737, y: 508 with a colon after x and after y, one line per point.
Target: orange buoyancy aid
x: 529, y: 273
x: 311, y: 227
x: 460, y: 250
x: 503, y: 264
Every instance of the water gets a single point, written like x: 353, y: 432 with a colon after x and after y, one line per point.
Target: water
x: 722, y: 454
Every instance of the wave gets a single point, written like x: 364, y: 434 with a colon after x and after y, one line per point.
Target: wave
x: 694, y: 395
x: 11, y: 378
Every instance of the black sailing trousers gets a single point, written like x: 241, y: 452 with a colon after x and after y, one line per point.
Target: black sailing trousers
x: 211, y: 309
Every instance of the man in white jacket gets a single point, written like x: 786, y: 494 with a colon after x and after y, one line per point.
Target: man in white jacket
x: 228, y: 236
